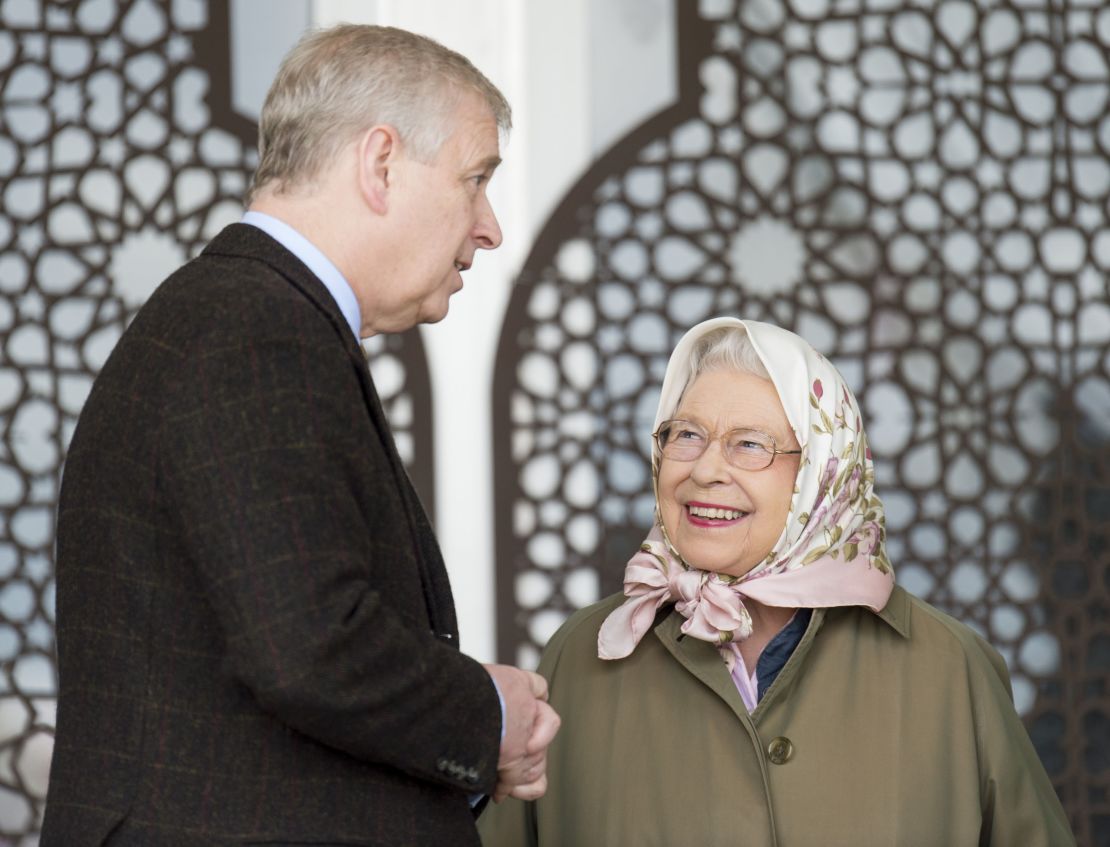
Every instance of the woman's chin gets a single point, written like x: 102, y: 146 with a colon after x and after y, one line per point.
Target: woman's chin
x: 710, y: 564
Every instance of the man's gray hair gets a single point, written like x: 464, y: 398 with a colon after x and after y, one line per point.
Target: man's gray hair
x: 338, y: 82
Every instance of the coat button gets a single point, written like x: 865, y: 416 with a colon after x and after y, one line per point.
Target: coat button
x: 780, y: 750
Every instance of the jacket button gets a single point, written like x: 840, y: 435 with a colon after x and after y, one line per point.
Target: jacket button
x: 780, y: 750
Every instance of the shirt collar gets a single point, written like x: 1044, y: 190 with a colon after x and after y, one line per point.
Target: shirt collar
x: 316, y: 262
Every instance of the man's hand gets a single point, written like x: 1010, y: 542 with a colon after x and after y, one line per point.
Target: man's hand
x: 530, y: 725
x: 526, y: 778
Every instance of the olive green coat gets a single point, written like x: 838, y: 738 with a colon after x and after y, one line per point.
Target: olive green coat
x: 888, y: 730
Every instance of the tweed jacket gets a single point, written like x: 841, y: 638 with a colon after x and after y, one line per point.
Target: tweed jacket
x: 256, y: 637
x: 888, y: 730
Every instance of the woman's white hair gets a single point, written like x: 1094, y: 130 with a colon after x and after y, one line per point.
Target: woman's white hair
x: 338, y: 82
x: 727, y: 348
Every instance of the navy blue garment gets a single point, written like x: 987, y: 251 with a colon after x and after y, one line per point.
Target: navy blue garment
x: 779, y: 650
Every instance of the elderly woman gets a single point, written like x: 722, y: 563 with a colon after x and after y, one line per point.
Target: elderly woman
x: 762, y: 680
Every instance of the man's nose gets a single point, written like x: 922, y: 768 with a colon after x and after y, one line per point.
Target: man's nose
x: 487, y: 232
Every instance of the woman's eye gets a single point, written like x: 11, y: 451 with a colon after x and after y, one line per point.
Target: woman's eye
x: 747, y: 445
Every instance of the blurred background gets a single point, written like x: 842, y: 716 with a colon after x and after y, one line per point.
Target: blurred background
x: 922, y: 190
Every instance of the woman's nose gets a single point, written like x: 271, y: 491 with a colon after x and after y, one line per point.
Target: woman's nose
x: 711, y: 467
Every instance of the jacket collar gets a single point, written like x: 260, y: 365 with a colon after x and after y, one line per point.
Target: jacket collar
x: 250, y: 242
x: 240, y: 240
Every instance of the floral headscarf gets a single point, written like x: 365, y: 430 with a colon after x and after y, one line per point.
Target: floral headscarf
x: 830, y: 552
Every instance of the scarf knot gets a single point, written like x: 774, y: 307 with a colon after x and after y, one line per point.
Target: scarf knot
x: 713, y: 607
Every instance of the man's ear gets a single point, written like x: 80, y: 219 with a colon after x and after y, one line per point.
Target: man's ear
x: 378, y: 149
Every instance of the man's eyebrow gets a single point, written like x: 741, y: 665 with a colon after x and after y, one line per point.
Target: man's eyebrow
x: 489, y: 163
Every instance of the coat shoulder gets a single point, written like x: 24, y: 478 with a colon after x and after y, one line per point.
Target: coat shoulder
x: 576, y: 639
x: 932, y: 629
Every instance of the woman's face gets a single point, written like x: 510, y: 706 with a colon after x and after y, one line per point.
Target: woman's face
x: 757, y: 502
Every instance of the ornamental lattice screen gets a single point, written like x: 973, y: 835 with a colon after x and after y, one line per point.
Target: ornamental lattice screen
x: 120, y: 157
x: 921, y: 191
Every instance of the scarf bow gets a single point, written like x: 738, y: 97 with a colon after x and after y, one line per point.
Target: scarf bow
x: 713, y: 607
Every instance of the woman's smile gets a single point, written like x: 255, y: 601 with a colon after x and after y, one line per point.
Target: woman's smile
x: 711, y: 515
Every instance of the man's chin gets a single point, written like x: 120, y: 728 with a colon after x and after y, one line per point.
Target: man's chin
x: 433, y: 314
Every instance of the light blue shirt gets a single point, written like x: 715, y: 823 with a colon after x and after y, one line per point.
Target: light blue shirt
x: 317, y: 262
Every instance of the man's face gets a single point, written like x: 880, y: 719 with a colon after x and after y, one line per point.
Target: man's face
x: 443, y: 216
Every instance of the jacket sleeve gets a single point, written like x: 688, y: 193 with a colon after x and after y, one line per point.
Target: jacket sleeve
x: 279, y: 487
x: 1020, y: 805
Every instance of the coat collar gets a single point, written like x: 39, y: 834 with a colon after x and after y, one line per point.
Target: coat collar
x: 896, y: 612
x: 703, y: 660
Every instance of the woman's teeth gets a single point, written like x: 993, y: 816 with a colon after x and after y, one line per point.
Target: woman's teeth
x: 715, y: 514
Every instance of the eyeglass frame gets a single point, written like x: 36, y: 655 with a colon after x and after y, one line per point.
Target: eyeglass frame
x: 710, y: 438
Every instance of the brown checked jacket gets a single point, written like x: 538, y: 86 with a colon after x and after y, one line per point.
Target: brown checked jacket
x: 256, y: 637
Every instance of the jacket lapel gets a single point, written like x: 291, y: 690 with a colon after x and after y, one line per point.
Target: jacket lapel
x: 243, y: 240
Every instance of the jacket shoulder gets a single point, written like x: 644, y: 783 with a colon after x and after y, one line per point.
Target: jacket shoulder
x: 245, y: 285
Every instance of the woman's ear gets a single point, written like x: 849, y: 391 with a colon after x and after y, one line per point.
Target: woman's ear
x: 378, y: 151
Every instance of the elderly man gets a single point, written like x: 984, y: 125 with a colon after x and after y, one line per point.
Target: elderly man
x: 256, y: 637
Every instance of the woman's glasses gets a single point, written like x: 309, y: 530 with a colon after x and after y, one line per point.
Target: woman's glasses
x: 747, y: 449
